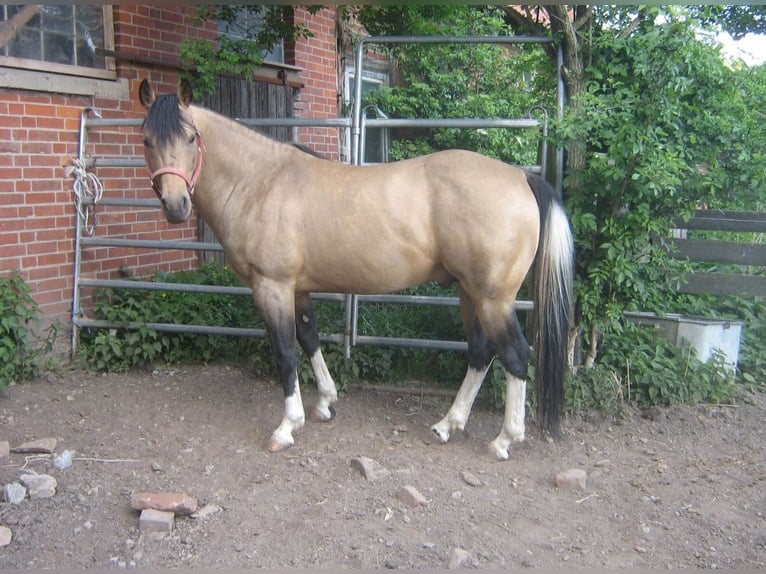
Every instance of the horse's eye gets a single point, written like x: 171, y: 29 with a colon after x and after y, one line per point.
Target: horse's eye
x: 148, y: 143
x: 192, y: 139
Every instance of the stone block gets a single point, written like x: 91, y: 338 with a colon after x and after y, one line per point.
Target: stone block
x: 152, y: 520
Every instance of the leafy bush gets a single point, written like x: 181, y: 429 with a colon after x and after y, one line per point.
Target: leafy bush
x: 122, y: 349
x: 19, y: 358
x: 640, y: 366
x: 117, y: 350
x: 460, y: 81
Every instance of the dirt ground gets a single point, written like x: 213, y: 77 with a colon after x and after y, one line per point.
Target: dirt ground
x: 677, y: 487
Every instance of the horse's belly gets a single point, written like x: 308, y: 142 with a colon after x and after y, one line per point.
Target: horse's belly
x: 365, y: 274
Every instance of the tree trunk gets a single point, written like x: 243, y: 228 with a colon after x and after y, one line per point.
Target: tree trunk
x: 567, y: 21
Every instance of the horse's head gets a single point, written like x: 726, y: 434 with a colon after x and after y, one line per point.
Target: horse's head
x: 173, y: 148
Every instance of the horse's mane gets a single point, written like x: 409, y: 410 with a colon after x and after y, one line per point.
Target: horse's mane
x: 164, y: 119
x: 307, y: 150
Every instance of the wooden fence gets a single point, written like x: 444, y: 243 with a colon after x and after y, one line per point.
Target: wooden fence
x: 723, y: 252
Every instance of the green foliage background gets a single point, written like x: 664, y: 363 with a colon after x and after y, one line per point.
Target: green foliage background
x: 461, y: 81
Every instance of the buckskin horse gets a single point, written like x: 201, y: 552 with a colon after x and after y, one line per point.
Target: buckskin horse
x: 292, y: 223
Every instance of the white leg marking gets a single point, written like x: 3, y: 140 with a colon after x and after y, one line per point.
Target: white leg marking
x: 328, y: 394
x: 294, y: 418
x: 513, y: 425
x: 461, y: 407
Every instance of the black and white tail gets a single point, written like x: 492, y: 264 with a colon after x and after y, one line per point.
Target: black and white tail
x: 553, y: 298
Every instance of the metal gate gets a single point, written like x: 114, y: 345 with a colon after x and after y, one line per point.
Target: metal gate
x: 357, y: 123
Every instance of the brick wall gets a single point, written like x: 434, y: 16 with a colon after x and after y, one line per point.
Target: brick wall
x: 36, y: 218
x: 319, y: 97
x: 39, y: 135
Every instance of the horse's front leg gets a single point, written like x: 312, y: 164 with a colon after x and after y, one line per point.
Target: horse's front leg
x: 277, y: 305
x: 308, y: 337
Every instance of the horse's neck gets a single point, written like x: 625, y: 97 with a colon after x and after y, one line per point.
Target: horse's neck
x: 236, y: 160
x: 229, y: 142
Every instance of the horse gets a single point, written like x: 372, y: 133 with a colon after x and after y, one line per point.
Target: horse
x: 292, y: 224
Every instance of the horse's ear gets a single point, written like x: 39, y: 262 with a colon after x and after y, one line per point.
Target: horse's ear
x: 146, y: 94
x: 185, y: 92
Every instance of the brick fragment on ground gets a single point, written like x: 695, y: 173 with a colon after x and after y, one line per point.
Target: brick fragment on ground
x: 40, y: 446
x: 410, y: 496
x: 574, y: 478
x: 371, y: 469
x: 168, y: 501
x: 152, y: 520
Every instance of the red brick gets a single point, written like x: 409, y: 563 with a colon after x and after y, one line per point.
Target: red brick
x: 169, y: 501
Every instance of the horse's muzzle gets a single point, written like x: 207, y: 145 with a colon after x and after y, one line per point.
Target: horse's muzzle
x: 177, y: 208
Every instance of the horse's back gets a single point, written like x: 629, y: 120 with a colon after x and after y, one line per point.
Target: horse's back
x: 449, y: 214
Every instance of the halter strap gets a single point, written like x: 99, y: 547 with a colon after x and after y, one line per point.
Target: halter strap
x: 191, y: 182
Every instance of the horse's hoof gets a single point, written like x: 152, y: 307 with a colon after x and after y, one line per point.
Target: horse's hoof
x: 442, y: 435
x: 501, y: 452
x: 277, y: 444
x: 322, y: 416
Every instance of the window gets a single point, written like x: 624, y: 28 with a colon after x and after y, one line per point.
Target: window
x: 62, y: 39
x: 376, y: 141
x: 247, y: 25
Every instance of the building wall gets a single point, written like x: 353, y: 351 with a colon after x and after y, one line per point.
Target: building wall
x: 317, y: 56
x: 39, y: 129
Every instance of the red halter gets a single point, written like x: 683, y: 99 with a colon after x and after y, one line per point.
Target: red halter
x: 191, y: 182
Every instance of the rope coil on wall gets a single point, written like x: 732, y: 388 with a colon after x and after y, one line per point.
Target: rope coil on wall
x: 88, y: 191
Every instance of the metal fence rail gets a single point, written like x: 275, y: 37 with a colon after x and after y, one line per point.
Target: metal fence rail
x: 357, y: 124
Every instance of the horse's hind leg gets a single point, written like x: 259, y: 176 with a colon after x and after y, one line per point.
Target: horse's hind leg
x: 513, y: 351
x: 513, y: 424
x: 308, y: 337
x: 480, y: 353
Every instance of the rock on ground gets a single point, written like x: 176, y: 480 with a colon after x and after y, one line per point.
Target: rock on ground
x: 571, y: 479
x: 14, y: 493
x: 205, y: 511
x: 40, y: 446
x: 470, y: 478
x: 39, y: 485
x: 410, y: 496
x: 5, y: 536
x: 458, y: 558
x: 371, y: 469
x: 152, y: 520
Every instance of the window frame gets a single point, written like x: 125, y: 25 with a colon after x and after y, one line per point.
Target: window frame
x: 380, y: 79
x: 108, y: 72
x: 255, y: 21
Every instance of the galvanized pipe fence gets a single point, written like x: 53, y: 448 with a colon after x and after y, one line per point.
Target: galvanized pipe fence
x: 357, y: 124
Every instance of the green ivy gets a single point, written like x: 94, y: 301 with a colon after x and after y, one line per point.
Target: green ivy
x: 20, y: 359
